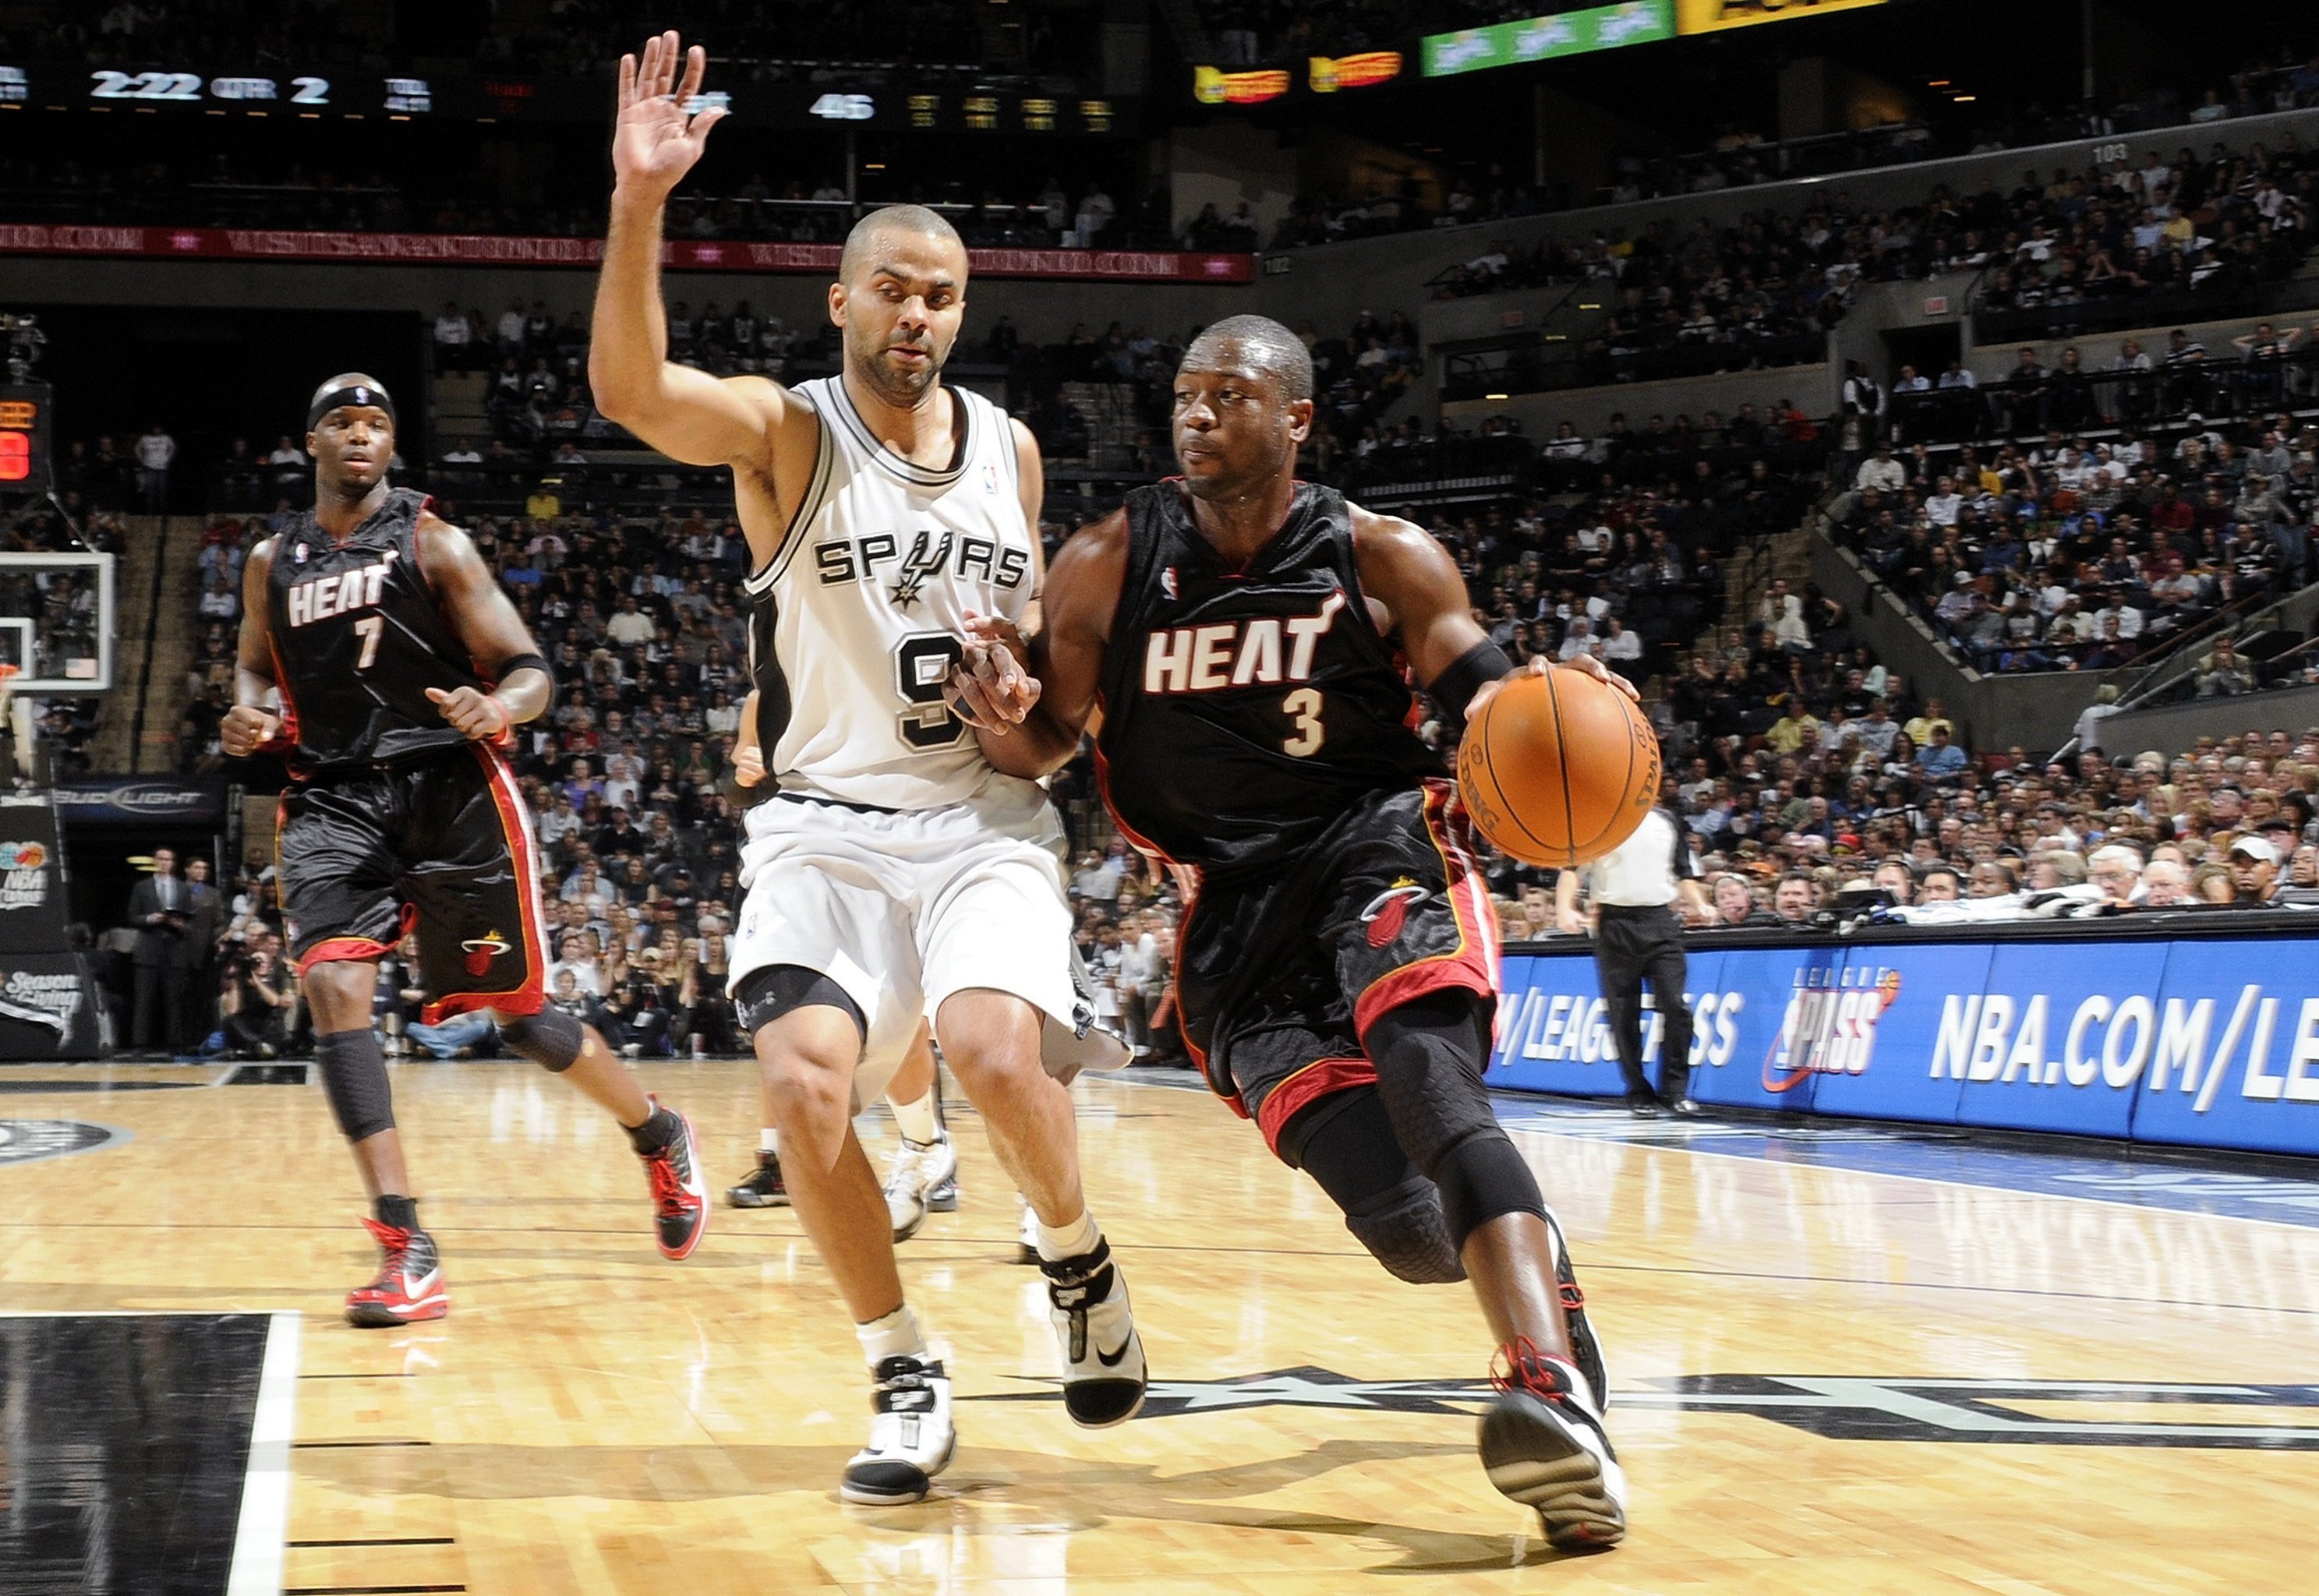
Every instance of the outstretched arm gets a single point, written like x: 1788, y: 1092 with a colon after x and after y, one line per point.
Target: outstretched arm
x: 687, y: 415
x: 485, y: 622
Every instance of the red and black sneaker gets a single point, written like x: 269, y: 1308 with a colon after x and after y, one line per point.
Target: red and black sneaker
x: 1585, y: 1346
x: 1543, y: 1444
x: 409, y: 1286
x: 680, y: 1194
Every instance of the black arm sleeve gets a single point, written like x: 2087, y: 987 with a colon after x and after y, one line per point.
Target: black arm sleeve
x: 1454, y: 687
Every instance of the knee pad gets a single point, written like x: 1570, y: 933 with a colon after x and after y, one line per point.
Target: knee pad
x: 550, y: 1038
x: 1481, y: 1177
x: 354, y: 1079
x: 1405, y: 1230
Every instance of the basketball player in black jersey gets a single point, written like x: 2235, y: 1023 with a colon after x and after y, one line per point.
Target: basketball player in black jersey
x: 1241, y: 637
x: 379, y: 656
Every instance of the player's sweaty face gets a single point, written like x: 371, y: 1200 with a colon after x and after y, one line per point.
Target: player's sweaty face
x: 1233, y: 426
x: 901, y: 315
x: 353, y: 445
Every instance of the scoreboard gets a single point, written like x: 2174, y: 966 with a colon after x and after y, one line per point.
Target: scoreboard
x: 24, y: 465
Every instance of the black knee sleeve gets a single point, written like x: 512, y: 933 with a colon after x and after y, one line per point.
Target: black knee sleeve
x: 1407, y: 1232
x: 1429, y: 1055
x: 1346, y: 1142
x: 1482, y: 1177
x: 766, y: 995
x: 354, y: 1079
x: 550, y: 1038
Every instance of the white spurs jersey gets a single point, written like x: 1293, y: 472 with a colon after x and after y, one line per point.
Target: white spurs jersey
x: 855, y: 621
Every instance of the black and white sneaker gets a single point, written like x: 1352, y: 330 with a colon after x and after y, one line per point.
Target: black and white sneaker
x: 1586, y: 1349
x: 910, y: 1436
x: 1102, y: 1356
x: 764, y: 1188
x: 1544, y: 1446
x: 923, y: 1174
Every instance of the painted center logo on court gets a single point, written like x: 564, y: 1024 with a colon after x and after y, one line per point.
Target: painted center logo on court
x: 23, y: 1142
x: 1836, y: 1407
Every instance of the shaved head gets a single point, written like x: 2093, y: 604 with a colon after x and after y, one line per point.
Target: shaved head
x: 861, y: 243
x: 1259, y: 344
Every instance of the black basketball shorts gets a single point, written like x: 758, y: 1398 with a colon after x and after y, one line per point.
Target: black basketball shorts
x: 442, y: 846
x: 1278, y: 977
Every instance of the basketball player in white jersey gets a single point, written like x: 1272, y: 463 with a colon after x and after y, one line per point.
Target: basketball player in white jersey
x: 895, y: 874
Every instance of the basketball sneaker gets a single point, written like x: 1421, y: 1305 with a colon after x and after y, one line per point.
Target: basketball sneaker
x: 680, y: 1194
x: 910, y: 1436
x: 924, y: 1180
x: 764, y: 1188
x: 410, y: 1284
x: 1102, y: 1356
x: 1543, y: 1444
x: 1026, y: 1235
x: 1586, y: 1349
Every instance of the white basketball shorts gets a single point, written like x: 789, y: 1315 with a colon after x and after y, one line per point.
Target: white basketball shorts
x: 902, y: 908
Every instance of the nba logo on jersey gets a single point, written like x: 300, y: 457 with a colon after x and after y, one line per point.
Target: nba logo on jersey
x: 1168, y: 581
x: 990, y: 479
x: 298, y: 555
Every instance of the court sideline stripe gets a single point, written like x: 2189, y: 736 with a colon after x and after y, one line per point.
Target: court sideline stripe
x: 265, y: 1521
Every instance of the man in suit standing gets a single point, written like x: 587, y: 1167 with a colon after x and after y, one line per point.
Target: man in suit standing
x: 204, y: 919
x: 159, y: 909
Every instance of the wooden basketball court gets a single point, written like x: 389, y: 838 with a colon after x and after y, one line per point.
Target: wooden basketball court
x: 1825, y: 1380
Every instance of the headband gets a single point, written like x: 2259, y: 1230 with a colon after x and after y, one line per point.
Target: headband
x: 356, y: 393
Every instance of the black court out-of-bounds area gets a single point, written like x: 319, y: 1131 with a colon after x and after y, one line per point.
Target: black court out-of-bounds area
x: 125, y: 1441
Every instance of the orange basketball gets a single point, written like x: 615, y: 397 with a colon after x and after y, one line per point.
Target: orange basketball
x: 1558, y: 769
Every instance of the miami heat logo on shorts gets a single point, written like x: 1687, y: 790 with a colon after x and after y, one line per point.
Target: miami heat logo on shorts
x: 481, y: 949
x: 1388, y: 911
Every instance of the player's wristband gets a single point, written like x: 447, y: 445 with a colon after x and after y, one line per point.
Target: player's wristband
x: 1454, y: 687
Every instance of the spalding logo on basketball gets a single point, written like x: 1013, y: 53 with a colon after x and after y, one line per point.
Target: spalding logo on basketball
x: 1558, y: 769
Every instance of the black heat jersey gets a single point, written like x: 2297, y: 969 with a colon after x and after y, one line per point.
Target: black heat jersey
x: 1246, y: 710
x: 359, y: 638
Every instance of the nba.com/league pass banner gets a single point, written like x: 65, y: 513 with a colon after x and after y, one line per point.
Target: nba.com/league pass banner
x: 2207, y: 1041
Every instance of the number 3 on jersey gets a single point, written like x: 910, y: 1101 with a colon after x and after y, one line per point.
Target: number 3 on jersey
x: 921, y: 665
x: 1303, y: 708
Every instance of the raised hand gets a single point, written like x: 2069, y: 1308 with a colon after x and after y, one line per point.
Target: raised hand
x: 654, y: 143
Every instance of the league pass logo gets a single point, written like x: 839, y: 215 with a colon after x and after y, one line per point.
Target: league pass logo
x: 1836, y: 1408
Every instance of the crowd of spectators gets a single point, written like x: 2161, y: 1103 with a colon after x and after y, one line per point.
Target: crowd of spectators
x: 2068, y: 554
x: 1810, y: 779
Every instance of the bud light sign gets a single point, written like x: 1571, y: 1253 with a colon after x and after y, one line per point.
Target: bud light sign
x: 2207, y: 1041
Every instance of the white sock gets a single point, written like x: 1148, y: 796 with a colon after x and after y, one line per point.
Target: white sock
x: 769, y: 1141
x: 894, y: 1336
x: 1075, y: 1240
x: 916, y: 1119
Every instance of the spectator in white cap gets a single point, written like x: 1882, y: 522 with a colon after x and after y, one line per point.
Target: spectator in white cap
x: 2254, y: 871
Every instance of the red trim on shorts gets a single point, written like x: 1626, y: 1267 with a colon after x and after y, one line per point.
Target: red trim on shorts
x: 1473, y: 965
x: 285, y: 736
x: 515, y: 823
x: 1184, y: 874
x: 342, y: 950
x: 1319, y: 1079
